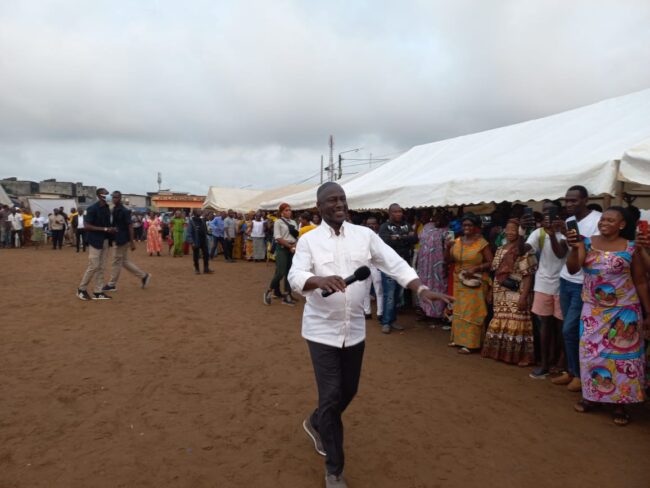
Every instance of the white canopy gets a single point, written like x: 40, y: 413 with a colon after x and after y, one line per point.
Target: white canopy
x: 304, y: 199
x: 221, y: 198
x: 4, y: 198
x: 272, y: 194
x: 47, y: 205
x: 528, y: 161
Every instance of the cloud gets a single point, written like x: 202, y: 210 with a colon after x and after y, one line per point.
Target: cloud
x: 248, y: 92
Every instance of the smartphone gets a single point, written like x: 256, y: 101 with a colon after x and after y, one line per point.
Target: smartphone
x: 552, y: 213
x: 528, y: 212
x: 642, y: 225
x: 450, y: 235
x: 573, y: 225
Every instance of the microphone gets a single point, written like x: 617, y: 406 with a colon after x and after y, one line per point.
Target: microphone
x: 359, y: 275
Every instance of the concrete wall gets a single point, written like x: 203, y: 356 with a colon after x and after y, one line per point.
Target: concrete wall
x: 136, y: 200
x: 63, y: 188
x: 19, y: 188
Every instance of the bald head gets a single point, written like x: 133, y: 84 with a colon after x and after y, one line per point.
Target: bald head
x: 325, y: 189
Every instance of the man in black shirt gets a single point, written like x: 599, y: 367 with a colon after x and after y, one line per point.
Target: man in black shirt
x: 123, y: 240
x: 399, y: 235
x: 198, y: 236
x: 99, y: 230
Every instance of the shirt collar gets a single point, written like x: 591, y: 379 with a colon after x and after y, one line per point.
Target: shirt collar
x: 331, y: 231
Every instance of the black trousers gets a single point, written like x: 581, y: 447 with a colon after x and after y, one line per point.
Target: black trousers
x: 215, y: 242
x: 80, y: 235
x: 337, y: 376
x: 227, y: 248
x: 196, y: 250
x: 57, y: 238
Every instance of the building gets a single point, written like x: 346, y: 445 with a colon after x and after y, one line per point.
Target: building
x: 18, y: 188
x: 50, y: 188
x: 135, y: 201
x: 170, y: 201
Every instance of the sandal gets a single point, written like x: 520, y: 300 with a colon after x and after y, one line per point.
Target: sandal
x: 464, y: 350
x: 621, y: 417
x: 451, y: 344
x: 584, y: 406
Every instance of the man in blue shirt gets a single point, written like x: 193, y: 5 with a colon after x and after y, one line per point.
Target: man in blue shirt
x: 98, y: 231
x: 216, y: 227
x: 123, y: 240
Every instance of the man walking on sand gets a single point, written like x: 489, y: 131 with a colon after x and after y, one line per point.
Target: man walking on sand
x: 334, y: 326
x: 123, y: 241
x: 99, y: 231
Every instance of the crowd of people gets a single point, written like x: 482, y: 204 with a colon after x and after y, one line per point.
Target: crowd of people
x: 563, y: 291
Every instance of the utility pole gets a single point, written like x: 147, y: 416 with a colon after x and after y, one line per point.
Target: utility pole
x: 331, y: 165
x: 321, y: 169
x: 159, y: 180
x: 340, y: 167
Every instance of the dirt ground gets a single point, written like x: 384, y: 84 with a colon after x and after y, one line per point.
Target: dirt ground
x: 193, y: 382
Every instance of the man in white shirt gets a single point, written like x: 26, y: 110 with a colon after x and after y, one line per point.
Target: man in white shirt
x: 547, y: 244
x: 16, y: 221
x: 577, y: 198
x: 334, y: 327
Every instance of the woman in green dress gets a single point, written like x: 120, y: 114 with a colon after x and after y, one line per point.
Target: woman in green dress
x: 177, y: 225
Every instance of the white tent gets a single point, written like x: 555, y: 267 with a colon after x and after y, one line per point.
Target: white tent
x: 47, y: 205
x: 304, y: 199
x: 4, y: 198
x: 272, y: 194
x: 222, y: 198
x: 528, y: 161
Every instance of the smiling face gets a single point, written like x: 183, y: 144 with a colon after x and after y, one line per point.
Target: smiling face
x: 469, y: 229
x: 332, y: 205
x: 512, y: 231
x: 611, y: 223
x: 575, y: 203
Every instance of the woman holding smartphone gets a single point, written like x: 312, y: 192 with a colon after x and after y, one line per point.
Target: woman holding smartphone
x: 615, y: 293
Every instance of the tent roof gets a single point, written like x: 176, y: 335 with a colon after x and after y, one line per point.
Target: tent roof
x: 272, y: 194
x: 4, y: 198
x: 528, y: 161
x: 303, y: 199
x: 223, y: 198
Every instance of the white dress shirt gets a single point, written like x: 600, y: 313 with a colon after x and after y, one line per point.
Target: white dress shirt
x: 339, y: 320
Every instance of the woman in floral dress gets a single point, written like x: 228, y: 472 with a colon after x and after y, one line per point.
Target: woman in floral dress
x: 509, y: 337
x: 612, y: 359
x: 154, y: 240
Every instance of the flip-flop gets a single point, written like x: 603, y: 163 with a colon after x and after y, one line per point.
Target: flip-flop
x: 584, y: 406
x: 464, y: 350
x: 621, y: 417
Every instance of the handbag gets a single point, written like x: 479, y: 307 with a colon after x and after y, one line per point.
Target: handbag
x: 511, y: 284
x: 292, y: 230
x: 467, y: 279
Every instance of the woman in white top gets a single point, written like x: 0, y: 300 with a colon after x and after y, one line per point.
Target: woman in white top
x: 38, y: 223
x: 257, y: 234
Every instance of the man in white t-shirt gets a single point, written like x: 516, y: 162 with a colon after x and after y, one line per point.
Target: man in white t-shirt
x: 577, y: 198
x: 546, y: 242
x: 16, y: 221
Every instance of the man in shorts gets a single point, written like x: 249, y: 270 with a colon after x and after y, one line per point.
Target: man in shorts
x: 546, y: 243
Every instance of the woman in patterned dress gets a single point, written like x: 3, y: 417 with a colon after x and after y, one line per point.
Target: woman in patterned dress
x: 612, y: 360
x: 509, y: 336
x: 431, y: 266
x: 154, y: 240
x: 471, y: 255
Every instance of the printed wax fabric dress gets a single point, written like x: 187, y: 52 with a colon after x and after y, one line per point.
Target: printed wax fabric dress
x: 509, y: 337
x: 431, y: 266
x: 470, y: 308
x: 612, y: 360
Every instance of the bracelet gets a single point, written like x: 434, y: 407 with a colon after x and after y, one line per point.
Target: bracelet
x: 421, y: 288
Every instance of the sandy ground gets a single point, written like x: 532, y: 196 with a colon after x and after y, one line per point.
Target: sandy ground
x: 193, y: 382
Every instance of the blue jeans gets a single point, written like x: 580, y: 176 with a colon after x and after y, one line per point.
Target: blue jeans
x: 571, y: 304
x: 391, y: 299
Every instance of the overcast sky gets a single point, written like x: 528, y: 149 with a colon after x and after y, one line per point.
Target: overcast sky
x: 246, y: 93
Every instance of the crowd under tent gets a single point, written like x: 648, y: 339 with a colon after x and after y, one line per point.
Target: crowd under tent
x: 47, y: 205
x: 600, y: 146
x: 223, y: 198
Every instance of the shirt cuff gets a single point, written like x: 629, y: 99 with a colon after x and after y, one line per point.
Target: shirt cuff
x: 297, y: 282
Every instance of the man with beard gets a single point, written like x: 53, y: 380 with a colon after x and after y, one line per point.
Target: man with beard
x: 334, y: 326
